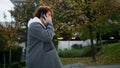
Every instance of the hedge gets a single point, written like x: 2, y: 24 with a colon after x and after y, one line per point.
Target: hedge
x: 16, y: 52
x: 85, y: 52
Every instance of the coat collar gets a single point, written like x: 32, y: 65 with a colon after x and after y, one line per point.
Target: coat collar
x: 35, y: 19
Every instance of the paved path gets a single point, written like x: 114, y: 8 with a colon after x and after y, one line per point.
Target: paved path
x: 104, y: 66
x: 79, y: 65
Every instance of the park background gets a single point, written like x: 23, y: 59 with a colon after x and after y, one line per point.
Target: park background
x: 86, y: 31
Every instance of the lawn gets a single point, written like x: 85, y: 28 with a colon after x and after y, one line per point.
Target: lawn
x: 111, y: 55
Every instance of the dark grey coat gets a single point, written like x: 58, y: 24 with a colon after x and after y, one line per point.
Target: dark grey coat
x: 40, y: 49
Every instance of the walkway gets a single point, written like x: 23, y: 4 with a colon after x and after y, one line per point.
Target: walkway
x: 79, y: 65
x: 105, y: 66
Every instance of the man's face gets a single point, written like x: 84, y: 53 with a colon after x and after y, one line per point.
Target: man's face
x: 48, y: 14
x: 48, y: 17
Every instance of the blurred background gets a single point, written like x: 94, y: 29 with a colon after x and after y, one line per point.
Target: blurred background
x: 86, y: 31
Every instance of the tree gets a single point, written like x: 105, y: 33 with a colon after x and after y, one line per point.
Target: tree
x: 88, y: 16
x: 71, y: 16
x: 22, y: 14
x: 8, y: 37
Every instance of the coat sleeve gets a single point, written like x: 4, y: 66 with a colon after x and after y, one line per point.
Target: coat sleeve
x: 43, y: 34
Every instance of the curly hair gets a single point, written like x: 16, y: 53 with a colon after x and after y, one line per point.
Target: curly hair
x: 42, y: 10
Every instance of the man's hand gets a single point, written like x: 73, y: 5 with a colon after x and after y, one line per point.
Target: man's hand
x: 48, y: 18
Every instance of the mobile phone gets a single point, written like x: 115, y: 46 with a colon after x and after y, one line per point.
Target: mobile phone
x: 44, y: 16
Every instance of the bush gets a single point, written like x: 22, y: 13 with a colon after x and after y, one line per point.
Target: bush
x: 77, y: 46
x: 85, y: 52
x: 2, y: 40
x: 55, y: 44
x: 111, y: 41
x: 13, y: 65
x: 16, y: 52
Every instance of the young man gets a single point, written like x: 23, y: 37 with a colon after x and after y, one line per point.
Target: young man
x: 40, y: 48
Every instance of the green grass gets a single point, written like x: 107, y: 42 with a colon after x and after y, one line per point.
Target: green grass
x: 86, y: 60
x: 111, y: 55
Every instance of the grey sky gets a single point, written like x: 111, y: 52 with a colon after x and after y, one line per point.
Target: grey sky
x: 5, y: 5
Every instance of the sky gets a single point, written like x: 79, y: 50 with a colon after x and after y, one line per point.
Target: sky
x: 5, y: 5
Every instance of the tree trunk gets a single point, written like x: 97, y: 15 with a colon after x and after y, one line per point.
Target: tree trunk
x: 4, y: 66
x: 10, y: 57
x: 99, y: 41
x: 92, y: 45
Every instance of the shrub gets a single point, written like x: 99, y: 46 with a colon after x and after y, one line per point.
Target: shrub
x: 13, y: 65
x: 55, y: 44
x: 85, y: 52
x: 77, y: 46
x: 16, y: 52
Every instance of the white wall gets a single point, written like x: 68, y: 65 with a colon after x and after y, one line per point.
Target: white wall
x: 68, y: 44
x: 22, y: 45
